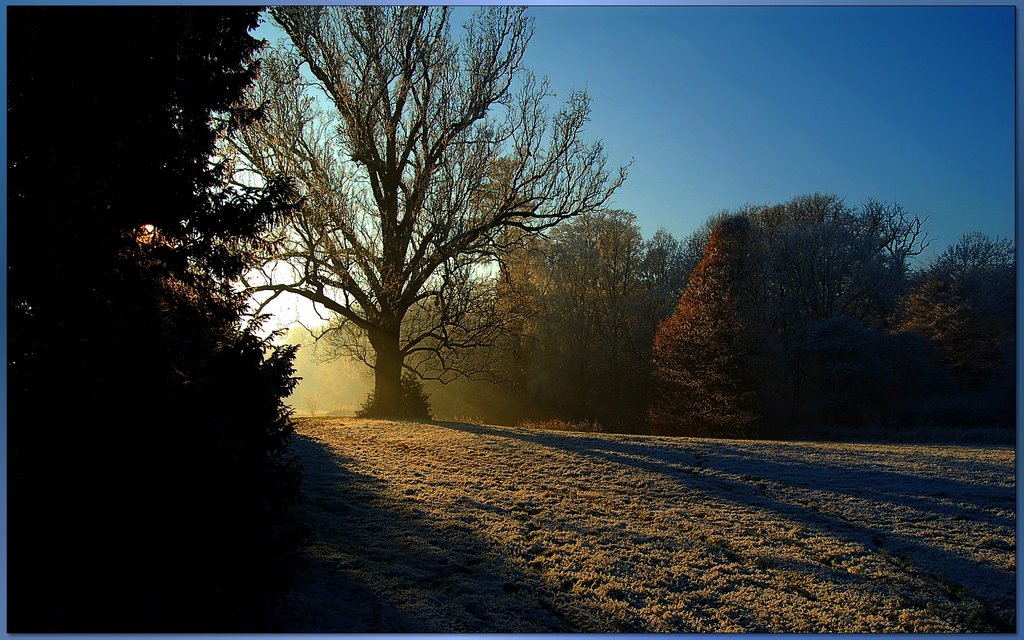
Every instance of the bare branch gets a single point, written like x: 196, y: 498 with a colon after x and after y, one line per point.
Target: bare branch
x: 422, y: 158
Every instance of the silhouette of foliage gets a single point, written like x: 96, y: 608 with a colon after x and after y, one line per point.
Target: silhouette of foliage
x: 964, y: 301
x: 829, y: 259
x: 818, y: 320
x: 148, y: 473
x: 841, y: 372
x: 593, y: 291
x: 414, y: 402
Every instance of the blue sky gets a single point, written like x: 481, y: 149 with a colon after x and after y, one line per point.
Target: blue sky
x: 725, y: 106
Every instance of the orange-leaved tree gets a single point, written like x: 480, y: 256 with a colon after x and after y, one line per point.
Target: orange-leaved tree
x: 712, y: 353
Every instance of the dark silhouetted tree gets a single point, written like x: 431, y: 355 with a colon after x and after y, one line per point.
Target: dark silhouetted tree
x: 965, y: 302
x: 829, y: 259
x: 824, y: 292
x: 841, y: 372
x: 712, y: 354
x: 147, y: 465
x: 418, y: 152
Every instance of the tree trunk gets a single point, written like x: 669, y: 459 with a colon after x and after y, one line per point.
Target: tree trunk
x: 387, y: 373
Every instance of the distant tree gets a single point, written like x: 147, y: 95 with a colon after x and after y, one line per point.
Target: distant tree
x: 830, y: 260
x: 841, y: 372
x: 827, y: 259
x: 312, y: 404
x: 417, y: 154
x: 594, y: 292
x: 692, y: 247
x: 828, y: 280
x: 663, y: 273
x: 150, y: 496
x: 965, y: 302
x: 585, y: 325
x: 978, y: 259
x: 711, y: 355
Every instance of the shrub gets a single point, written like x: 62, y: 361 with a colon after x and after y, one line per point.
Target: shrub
x: 555, y: 424
x: 414, y: 402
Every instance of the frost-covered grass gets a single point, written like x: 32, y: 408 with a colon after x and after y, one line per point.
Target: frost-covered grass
x: 460, y: 527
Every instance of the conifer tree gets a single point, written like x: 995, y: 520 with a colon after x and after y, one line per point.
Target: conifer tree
x: 147, y: 465
x: 710, y: 354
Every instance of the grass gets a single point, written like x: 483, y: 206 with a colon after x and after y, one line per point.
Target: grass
x: 455, y: 527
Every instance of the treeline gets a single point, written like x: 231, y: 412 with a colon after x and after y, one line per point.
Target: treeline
x: 769, y: 321
x: 592, y: 293
x: 808, y: 314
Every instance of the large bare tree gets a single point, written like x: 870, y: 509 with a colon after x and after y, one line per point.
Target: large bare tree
x: 419, y: 156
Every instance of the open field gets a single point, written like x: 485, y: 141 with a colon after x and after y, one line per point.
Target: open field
x: 455, y: 527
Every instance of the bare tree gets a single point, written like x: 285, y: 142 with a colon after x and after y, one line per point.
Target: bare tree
x: 594, y: 292
x: 313, y: 404
x: 416, y: 154
x: 830, y: 259
x: 964, y: 300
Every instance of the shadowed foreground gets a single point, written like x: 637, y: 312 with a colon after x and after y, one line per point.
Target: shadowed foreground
x: 422, y: 527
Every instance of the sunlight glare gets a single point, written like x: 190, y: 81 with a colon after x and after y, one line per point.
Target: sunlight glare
x: 146, y: 234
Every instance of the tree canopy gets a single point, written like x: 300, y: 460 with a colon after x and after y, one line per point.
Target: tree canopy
x: 965, y: 302
x: 790, y: 319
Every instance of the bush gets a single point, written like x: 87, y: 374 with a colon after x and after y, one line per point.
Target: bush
x: 554, y: 424
x: 414, y: 403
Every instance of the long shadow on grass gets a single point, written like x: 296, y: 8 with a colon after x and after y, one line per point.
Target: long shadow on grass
x: 731, y: 477
x: 372, y: 565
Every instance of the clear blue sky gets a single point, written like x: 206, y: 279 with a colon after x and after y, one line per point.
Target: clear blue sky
x: 724, y: 106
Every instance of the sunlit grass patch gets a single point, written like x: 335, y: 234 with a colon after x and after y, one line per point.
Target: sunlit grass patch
x: 468, y: 527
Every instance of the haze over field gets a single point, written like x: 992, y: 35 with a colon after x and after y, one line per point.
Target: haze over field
x: 455, y: 527
x: 755, y: 224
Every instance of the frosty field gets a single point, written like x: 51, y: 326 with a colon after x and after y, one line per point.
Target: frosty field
x: 420, y: 527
